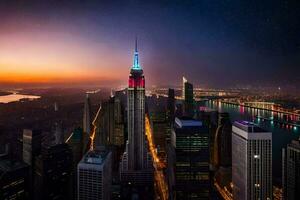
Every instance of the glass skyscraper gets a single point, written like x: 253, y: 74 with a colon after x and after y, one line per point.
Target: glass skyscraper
x: 188, y: 160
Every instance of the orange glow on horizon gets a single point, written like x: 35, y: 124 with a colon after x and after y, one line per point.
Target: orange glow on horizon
x: 53, y: 77
x: 56, y: 57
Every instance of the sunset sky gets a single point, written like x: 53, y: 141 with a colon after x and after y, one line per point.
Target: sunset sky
x: 211, y: 42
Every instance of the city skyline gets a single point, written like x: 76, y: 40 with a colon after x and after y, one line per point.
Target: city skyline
x: 167, y: 100
x: 91, y: 42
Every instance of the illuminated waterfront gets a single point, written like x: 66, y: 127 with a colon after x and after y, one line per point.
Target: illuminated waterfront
x: 282, y: 133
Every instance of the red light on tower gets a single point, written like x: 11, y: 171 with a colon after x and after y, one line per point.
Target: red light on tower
x: 135, y: 82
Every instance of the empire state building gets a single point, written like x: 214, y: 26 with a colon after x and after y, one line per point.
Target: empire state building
x: 136, y: 115
x: 136, y: 161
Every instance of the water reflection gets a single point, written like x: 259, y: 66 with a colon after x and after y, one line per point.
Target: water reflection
x: 16, y: 97
x: 283, y: 133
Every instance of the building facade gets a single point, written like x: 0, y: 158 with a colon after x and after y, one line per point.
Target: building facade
x: 171, y: 105
x: 53, y: 173
x: 251, y: 162
x: 14, y: 180
x: 94, y: 175
x: 188, y: 160
x: 87, y: 115
x: 188, y: 94
x: 291, y: 171
x: 31, y: 145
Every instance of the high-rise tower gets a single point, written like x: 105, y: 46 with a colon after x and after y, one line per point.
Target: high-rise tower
x: 291, y: 170
x: 251, y: 162
x: 188, y: 160
x: 136, y: 166
x: 136, y: 115
x: 184, y: 80
x: 86, y: 115
x: 188, y: 98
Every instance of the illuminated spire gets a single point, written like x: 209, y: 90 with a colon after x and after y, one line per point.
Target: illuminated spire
x: 136, y: 65
x: 136, y: 44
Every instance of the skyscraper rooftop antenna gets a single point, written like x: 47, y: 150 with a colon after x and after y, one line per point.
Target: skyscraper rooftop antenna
x: 136, y: 49
x: 136, y: 64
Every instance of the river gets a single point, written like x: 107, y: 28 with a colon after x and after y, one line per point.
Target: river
x: 16, y: 97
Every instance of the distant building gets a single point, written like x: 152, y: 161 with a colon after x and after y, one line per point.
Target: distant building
x: 171, y: 105
x: 184, y: 80
x: 119, y: 129
x: 291, y: 171
x: 188, y: 97
x: 87, y: 115
x: 251, y: 162
x: 14, y: 180
x: 209, y: 118
x: 58, y: 133
x: 188, y: 160
x: 111, y: 123
x: 94, y: 175
x: 53, y: 173
x: 75, y: 142
x: 31, y: 145
x: 32, y: 140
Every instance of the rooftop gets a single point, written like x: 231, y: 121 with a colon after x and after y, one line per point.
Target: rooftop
x: 250, y: 131
x: 95, y: 156
x: 249, y: 127
x: 187, y: 122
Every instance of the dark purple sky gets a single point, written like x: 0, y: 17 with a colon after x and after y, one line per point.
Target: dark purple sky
x: 211, y: 42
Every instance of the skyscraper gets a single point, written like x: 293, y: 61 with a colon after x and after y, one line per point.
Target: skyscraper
x: 135, y: 166
x: 291, y: 171
x: 171, y: 105
x: 31, y: 145
x: 119, y: 123
x: 75, y: 142
x: 58, y: 133
x: 188, y: 160
x: 188, y: 97
x: 136, y: 116
x: 53, y: 168
x: 87, y: 115
x: 31, y: 149
x: 94, y: 175
x: 111, y: 122
x: 183, y: 87
x: 251, y: 162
